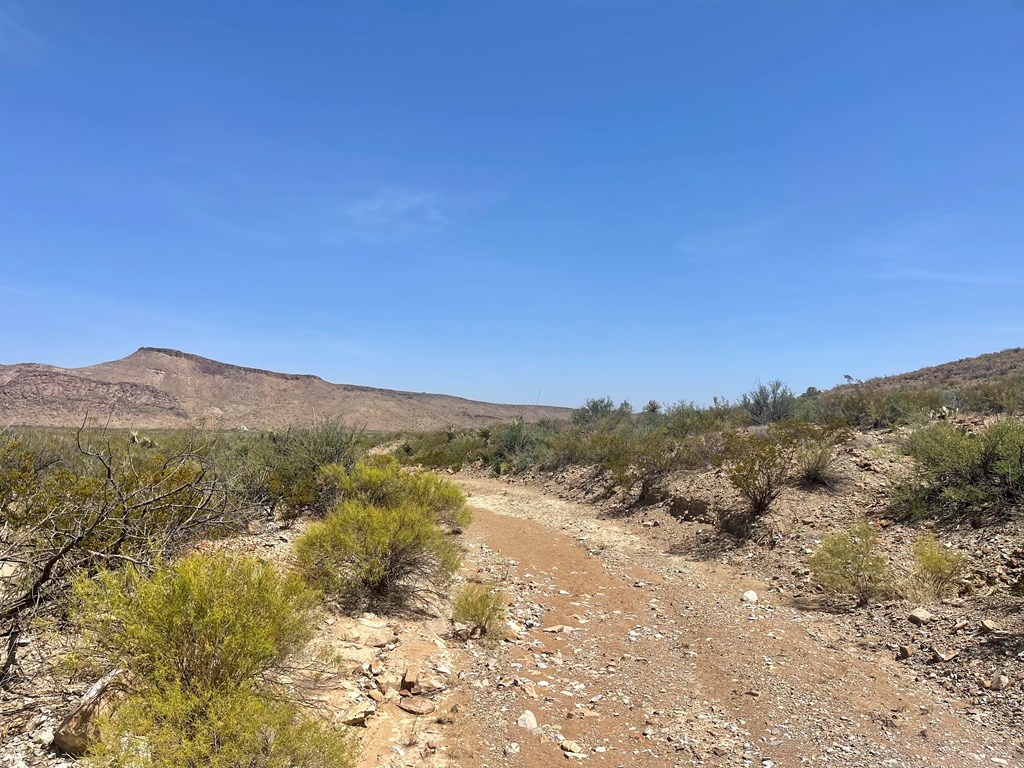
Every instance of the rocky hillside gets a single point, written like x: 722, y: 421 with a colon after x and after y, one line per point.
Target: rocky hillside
x: 165, y: 388
x: 969, y: 370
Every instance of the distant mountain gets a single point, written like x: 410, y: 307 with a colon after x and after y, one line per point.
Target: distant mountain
x: 969, y: 370
x: 162, y: 388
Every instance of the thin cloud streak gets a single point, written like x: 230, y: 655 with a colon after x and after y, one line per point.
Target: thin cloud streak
x: 18, y: 43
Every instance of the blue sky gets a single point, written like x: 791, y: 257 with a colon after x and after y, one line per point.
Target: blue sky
x: 498, y: 199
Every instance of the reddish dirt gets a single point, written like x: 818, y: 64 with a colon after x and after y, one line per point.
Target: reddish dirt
x: 667, y: 664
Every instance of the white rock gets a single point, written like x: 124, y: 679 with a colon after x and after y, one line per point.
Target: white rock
x: 750, y: 596
x: 527, y: 720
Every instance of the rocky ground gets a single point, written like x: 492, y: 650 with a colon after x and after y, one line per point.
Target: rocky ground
x: 641, y: 638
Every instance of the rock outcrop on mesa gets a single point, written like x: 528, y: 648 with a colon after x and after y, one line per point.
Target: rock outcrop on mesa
x: 166, y: 388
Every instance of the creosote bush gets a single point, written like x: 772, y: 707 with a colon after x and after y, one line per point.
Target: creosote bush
x: 377, y: 558
x: 850, y: 563
x: 482, y: 608
x: 205, y: 646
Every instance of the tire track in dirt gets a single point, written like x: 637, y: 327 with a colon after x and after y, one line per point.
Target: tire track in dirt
x: 666, y: 665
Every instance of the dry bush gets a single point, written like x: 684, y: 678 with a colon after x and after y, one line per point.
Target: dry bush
x: 97, y: 503
x: 759, y: 469
x: 935, y: 571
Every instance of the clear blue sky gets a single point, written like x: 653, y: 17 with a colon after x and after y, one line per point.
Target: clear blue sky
x: 643, y: 199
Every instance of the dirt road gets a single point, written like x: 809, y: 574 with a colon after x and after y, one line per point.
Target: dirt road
x: 640, y: 658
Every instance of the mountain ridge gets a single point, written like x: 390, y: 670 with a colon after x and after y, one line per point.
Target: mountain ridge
x: 157, y: 387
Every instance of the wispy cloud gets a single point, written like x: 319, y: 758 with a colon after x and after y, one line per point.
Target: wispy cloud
x: 737, y: 242
x: 396, y: 210
x: 917, y: 275
x: 18, y: 43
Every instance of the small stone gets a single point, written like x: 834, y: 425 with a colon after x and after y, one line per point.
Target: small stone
x: 43, y: 737
x: 1000, y: 683
x: 527, y: 720
x: 987, y: 625
x: 920, y: 616
x: 511, y: 748
x: 750, y: 596
x: 905, y: 652
x: 941, y: 656
x: 571, y: 746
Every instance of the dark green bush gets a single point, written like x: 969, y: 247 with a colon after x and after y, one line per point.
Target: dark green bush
x: 769, y: 403
x: 959, y: 472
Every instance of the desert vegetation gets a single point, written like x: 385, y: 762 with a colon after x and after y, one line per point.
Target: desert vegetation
x: 116, y: 542
x: 202, y: 658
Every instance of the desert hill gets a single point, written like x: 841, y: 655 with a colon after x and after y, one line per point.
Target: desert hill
x: 165, y: 388
x: 959, y: 373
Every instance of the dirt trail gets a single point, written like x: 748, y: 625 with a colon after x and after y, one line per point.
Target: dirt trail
x: 665, y: 664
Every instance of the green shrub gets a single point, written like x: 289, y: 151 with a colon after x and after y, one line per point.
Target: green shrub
x: 759, y: 469
x: 377, y: 558
x: 769, y: 403
x: 380, y: 481
x: 850, y: 563
x: 935, y: 571
x: 482, y: 608
x: 175, y: 727
x: 201, y: 644
x: 958, y: 472
x: 207, y: 621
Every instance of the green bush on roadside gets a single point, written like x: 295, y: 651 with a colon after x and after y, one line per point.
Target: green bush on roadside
x: 204, y: 647
x: 377, y: 558
x: 482, y: 608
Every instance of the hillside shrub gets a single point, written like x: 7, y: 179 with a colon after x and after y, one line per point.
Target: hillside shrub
x: 962, y: 473
x: 850, y: 563
x: 935, y: 570
x: 482, y: 608
x: 377, y: 558
x: 769, y: 403
x: 759, y: 469
x: 814, y: 450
